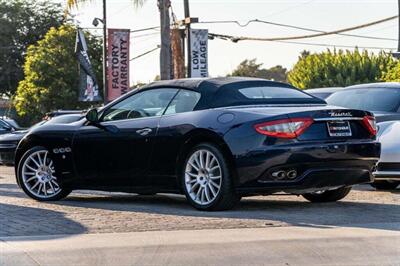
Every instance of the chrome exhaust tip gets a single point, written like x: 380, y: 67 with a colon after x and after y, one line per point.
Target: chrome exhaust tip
x: 279, y: 174
x: 292, y: 174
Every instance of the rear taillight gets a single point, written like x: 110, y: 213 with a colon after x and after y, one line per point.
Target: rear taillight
x: 370, y: 123
x: 285, y: 128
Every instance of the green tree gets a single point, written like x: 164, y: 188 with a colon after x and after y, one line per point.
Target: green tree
x: 52, y: 74
x: 250, y: 68
x: 394, y: 73
x: 22, y: 23
x: 339, y: 68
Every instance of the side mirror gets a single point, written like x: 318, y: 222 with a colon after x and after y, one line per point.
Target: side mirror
x: 92, y: 116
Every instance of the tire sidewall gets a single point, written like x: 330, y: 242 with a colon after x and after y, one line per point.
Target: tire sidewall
x: 329, y: 195
x: 226, y: 182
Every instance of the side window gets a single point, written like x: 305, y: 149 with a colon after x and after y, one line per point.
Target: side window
x: 3, y: 126
x: 142, y: 104
x: 185, y: 101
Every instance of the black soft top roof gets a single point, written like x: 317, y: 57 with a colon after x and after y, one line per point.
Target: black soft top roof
x: 223, y: 91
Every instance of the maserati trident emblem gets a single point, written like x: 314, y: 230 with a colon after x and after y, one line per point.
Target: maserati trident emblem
x: 340, y: 114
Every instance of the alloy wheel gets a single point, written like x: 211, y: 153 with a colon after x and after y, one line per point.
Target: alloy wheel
x: 203, y: 177
x: 38, y: 175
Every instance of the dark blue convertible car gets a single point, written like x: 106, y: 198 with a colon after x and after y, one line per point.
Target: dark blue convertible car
x: 214, y: 140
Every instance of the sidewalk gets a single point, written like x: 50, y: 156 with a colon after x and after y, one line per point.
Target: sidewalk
x: 292, y: 245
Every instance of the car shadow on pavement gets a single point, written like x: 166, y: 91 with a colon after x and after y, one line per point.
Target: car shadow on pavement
x: 25, y: 221
x: 274, y: 212
x: 11, y: 190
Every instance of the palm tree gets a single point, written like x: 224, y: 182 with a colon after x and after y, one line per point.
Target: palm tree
x: 165, y: 53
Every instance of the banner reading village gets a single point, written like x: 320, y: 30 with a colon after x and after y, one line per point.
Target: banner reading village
x: 88, y: 86
x: 118, y: 63
x: 199, y: 47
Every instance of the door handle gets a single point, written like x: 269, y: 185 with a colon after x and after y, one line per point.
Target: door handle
x: 144, y: 131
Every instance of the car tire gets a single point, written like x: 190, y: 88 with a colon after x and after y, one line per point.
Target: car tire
x: 328, y: 195
x: 206, y: 169
x: 35, y: 174
x: 385, y: 185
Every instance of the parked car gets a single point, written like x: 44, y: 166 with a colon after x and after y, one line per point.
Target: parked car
x: 11, y: 122
x: 9, y: 141
x: 382, y: 99
x: 52, y: 114
x: 8, y: 125
x: 387, y: 174
x: 323, y: 93
x: 213, y: 140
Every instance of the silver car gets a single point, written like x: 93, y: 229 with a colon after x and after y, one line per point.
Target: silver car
x: 383, y: 100
x: 387, y: 174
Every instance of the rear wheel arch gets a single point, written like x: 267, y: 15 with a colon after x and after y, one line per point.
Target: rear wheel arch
x: 197, y: 137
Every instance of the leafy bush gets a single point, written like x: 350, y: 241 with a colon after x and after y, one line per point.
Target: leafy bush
x: 339, y: 68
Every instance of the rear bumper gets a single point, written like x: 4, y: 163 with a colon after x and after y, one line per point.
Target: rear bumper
x: 314, y: 180
x: 386, y: 176
x: 387, y: 172
x: 318, y: 166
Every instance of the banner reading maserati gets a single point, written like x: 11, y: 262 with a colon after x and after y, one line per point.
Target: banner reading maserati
x: 118, y: 63
x: 199, y: 48
x: 88, y: 87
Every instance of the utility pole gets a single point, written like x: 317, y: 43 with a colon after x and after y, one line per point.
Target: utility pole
x: 165, y: 53
x: 398, y: 40
x: 105, y: 81
x: 397, y: 54
x: 189, y: 48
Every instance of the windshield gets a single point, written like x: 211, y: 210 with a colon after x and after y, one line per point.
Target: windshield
x: 370, y: 99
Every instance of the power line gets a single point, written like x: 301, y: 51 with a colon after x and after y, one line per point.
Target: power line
x: 145, y: 53
x: 144, y: 35
x: 236, y: 38
x: 296, y: 27
x: 144, y: 29
x: 338, y: 45
x: 223, y: 37
x: 133, y: 31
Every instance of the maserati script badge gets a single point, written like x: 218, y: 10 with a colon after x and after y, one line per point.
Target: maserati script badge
x: 339, y: 114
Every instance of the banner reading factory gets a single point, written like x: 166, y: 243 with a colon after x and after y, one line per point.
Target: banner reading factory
x: 199, y: 48
x: 118, y: 63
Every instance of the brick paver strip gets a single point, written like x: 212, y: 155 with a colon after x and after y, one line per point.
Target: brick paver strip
x: 102, y: 212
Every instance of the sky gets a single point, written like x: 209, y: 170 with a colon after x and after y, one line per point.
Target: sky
x: 224, y: 56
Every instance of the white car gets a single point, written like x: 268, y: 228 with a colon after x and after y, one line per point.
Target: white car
x: 387, y: 174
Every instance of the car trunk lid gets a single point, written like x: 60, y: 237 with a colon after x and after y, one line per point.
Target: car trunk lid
x: 329, y: 122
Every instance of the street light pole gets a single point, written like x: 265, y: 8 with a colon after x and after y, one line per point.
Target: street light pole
x: 105, y: 81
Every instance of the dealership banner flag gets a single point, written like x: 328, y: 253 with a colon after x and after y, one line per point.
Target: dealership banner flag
x: 199, y: 48
x: 118, y: 62
x: 88, y: 86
